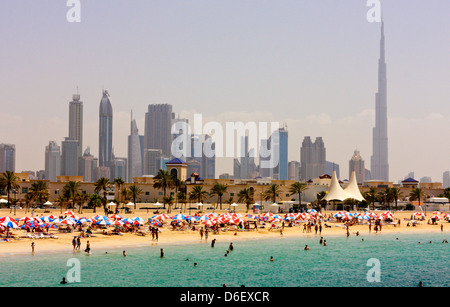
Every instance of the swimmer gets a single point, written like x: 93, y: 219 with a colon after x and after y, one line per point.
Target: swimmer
x: 231, y: 247
x: 325, y: 243
x: 63, y: 281
x: 306, y: 248
x: 195, y: 263
x: 321, y: 240
x: 124, y: 253
x: 271, y: 258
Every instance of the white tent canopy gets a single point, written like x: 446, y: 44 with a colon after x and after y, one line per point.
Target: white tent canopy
x: 337, y: 193
x: 48, y: 203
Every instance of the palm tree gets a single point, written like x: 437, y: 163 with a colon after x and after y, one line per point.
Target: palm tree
x: 8, y: 182
x: 272, y: 193
x: 219, y: 189
x: 126, y: 195
x: 246, y: 196
x: 95, y: 201
x: 181, y: 196
x: 417, y: 194
x: 102, y: 184
x: 164, y: 181
x: 385, y: 196
x: 119, y: 182
x: 169, y: 200
x: 198, y: 193
x: 39, y: 191
x: 135, y: 191
x: 298, y: 188
x: 71, y: 191
x: 371, y: 196
x: 396, y: 194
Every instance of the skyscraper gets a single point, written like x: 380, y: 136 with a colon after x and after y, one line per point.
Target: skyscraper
x: 356, y: 164
x: 86, y: 165
x: 69, y: 157
x: 76, y: 122
x: 312, y: 158
x: 379, y: 160
x: 7, y: 158
x: 134, y: 152
x: 157, y: 133
x: 105, y: 131
x: 52, y: 161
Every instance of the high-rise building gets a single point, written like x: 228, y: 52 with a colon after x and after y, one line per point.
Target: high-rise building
x: 52, y: 161
x: 69, y: 157
x: 446, y: 180
x: 208, y: 161
x: 294, y: 170
x: 356, y: 164
x: 105, y: 131
x: 7, y: 158
x: 152, y: 161
x: 331, y: 167
x: 180, y: 138
x: 134, y: 152
x: 379, y: 160
x: 157, y: 133
x: 119, y: 168
x: 86, y: 165
x: 274, y: 154
x: 312, y: 158
x: 76, y: 122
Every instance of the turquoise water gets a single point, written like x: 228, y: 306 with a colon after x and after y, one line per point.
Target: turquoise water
x: 343, y: 263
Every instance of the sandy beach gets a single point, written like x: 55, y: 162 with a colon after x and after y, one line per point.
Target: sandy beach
x: 22, y: 245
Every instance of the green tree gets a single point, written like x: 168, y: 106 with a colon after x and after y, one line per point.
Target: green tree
x: 39, y: 191
x: 135, y: 191
x: 219, y: 189
x: 95, y: 201
x: 298, y: 188
x: 163, y: 181
x: 71, y: 191
x: 272, y: 193
x: 198, y: 193
x: 118, y: 182
x: 417, y: 194
x: 102, y: 184
x: 8, y: 182
x: 371, y: 196
x: 246, y: 196
x: 396, y: 193
x: 169, y: 200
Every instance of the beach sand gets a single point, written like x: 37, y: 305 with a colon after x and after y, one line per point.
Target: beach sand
x: 168, y: 236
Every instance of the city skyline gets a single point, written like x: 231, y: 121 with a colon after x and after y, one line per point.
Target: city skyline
x: 236, y: 80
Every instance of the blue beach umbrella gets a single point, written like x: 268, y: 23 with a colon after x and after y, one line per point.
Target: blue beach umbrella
x: 179, y: 217
x: 10, y: 224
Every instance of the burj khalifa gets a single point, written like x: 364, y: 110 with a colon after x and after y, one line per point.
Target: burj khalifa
x: 379, y: 160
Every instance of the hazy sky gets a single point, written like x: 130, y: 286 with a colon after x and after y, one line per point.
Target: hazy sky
x: 309, y: 63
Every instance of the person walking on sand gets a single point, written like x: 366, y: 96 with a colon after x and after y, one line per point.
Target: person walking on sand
x: 206, y: 234
x: 32, y: 247
x: 156, y: 234
x: 201, y: 233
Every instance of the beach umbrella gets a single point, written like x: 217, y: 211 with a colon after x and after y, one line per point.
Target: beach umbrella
x: 75, y: 217
x: 46, y: 219
x: 436, y: 213
x: 192, y: 218
x: 204, y: 217
x: 7, y: 219
x: 68, y: 212
x: 111, y: 204
x: 130, y: 204
x: 3, y: 201
x: 436, y: 217
x: 138, y: 219
x: 179, y: 217
x: 158, y: 204
x: 115, y: 216
x: 161, y: 217
x: 10, y: 224
x: 127, y: 221
x: 117, y: 223
x: 103, y: 222
x: 47, y: 203
x: 68, y: 221
x: 84, y: 220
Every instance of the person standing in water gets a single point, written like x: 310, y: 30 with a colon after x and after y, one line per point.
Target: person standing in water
x: 162, y: 253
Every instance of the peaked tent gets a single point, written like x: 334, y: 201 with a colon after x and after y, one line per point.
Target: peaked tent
x: 335, y: 192
x: 352, y: 189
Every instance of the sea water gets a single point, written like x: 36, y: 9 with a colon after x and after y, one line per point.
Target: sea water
x: 344, y: 262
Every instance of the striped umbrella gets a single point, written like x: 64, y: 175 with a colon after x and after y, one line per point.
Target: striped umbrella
x: 179, y: 217
x: 10, y: 224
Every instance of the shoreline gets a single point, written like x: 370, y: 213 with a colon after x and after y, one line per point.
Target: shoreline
x: 168, y: 237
